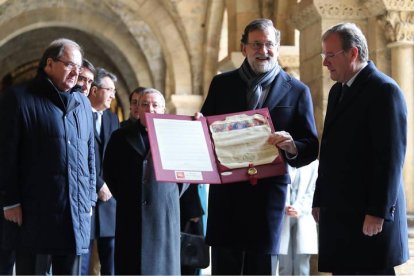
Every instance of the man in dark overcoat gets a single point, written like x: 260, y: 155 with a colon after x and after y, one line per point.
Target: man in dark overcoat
x: 359, y: 199
x: 147, y: 238
x: 244, y: 221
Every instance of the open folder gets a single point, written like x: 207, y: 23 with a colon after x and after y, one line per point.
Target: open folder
x: 216, y: 149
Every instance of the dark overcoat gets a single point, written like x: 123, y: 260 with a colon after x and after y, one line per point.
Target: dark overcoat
x: 249, y: 217
x: 360, y: 172
x: 147, y: 239
x: 47, y: 163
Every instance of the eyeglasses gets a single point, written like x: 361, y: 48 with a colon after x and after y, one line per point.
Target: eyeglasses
x: 69, y: 65
x: 113, y: 90
x: 331, y: 55
x: 154, y: 105
x: 258, y: 45
x: 86, y: 79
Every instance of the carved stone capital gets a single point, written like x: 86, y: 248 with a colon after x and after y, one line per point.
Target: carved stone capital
x: 407, y: 5
x: 308, y: 12
x: 398, y: 25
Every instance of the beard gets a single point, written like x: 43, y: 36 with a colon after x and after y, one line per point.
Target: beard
x: 262, y: 66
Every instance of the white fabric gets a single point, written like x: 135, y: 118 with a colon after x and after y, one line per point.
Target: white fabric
x: 306, y: 240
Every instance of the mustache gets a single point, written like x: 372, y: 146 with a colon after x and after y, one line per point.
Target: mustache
x: 262, y: 56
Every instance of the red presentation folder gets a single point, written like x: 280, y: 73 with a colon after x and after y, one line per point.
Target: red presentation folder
x: 218, y: 174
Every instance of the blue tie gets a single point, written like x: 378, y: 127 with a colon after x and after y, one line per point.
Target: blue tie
x: 98, y: 122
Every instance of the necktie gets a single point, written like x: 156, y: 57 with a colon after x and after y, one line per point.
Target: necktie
x: 98, y: 122
x: 344, y: 90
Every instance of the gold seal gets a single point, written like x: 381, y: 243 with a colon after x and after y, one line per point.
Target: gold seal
x: 251, y: 171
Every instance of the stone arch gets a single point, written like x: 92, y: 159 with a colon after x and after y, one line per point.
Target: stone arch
x: 175, y: 51
x: 107, y: 32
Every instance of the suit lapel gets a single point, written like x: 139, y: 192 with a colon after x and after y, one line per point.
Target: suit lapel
x: 135, y: 139
x: 357, y: 88
x: 333, y: 99
x: 278, y: 91
x: 106, y: 121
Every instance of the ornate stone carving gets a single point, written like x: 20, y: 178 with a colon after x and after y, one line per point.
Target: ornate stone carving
x: 306, y: 14
x: 341, y: 10
x: 407, y: 5
x: 398, y: 25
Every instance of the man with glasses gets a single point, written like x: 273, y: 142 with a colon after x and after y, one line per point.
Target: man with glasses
x: 244, y: 221
x: 47, y: 162
x: 359, y: 199
x: 86, y: 76
x: 147, y: 235
x: 103, y: 220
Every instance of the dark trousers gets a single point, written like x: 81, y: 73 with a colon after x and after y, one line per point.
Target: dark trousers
x: 7, y: 259
x: 86, y: 260
x: 387, y: 271
x: 39, y: 264
x: 106, y: 252
x: 227, y: 261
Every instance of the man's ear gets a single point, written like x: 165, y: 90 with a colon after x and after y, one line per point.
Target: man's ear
x: 355, y: 53
x: 93, y: 90
x: 243, y: 49
x: 48, y: 65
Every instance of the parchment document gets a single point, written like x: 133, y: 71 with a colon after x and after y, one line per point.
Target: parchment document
x: 182, y: 145
x: 241, y: 140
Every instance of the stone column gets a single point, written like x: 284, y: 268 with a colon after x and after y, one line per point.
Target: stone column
x: 399, y: 32
x: 184, y: 104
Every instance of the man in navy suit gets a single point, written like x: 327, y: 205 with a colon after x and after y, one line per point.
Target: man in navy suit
x: 101, y: 95
x: 359, y: 199
x: 245, y: 221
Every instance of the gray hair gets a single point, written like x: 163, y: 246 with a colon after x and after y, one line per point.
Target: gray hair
x: 102, y: 73
x: 260, y: 24
x: 351, y: 36
x: 55, y: 50
x: 152, y: 91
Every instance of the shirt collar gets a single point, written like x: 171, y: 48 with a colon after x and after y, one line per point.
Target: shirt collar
x: 99, y: 112
x: 351, y: 81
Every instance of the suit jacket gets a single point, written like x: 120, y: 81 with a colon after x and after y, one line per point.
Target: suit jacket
x: 147, y: 239
x: 103, y: 221
x: 250, y: 217
x: 360, y: 172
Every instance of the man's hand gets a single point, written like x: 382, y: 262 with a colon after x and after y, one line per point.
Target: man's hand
x: 195, y: 220
x: 14, y: 215
x: 315, y: 214
x: 291, y: 211
x: 284, y: 141
x: 198, y: 115
x: 104, y: 193
x: 372, y: 225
